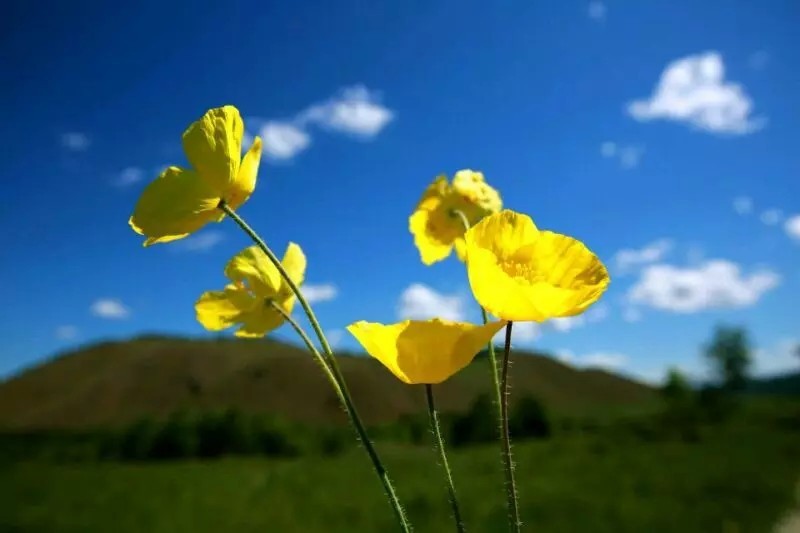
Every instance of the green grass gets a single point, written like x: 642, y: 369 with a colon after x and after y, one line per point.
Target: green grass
x: 741, y: 477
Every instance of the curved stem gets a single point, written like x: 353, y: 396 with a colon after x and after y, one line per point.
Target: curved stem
x: 437, y: 433
x: 498, y: 399
x: 511, y: 486
x: 313, y: 349
x: 333, y: 366
x: 492, y: 356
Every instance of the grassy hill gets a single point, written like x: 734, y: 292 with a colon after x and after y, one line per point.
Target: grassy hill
x: 117, y: 382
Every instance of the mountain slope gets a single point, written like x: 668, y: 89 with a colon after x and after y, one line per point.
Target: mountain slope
x: 115, y: 383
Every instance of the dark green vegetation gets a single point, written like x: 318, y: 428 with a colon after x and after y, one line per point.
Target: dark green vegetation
x: 115, y: 384
x: 594, y: 452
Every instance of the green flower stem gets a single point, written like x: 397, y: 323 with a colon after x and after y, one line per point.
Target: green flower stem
x: 511, y: 486
x: 498, y: 399
x: 492, y: 356
x: 333, y: 365
x: 437, y: 433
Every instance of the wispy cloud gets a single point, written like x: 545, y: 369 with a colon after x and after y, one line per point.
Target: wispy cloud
x: 604, y: 360
x: 629, y: 258
x: 597, y: 11
x: 771, y: 217
x: 75, y: 141
x: 323, y: 292
x: 792, y: 227
x: 716, y: 284
x: 784, y: 356
x: 66, y: 332
x: 199, y: 242
x: 109, y: 308
x: 129, y: 176
x: 743, y: 205
x: 627, y: 155
x: 693, y: 90
x: 354, y: 111
x: 421, y: 302
x: 283, y: 140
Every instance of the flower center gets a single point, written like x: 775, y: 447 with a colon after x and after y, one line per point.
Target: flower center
x: 521, y: 271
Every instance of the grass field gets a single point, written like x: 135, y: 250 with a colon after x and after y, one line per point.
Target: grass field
x: 737, y: 478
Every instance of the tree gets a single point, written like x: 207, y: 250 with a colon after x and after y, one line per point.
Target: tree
x: 676, y: 387
x: 729, y: 352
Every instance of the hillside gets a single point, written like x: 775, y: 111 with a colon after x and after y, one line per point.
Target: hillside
x: 115, y: 383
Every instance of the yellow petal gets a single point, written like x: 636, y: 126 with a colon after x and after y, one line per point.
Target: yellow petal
x: 174, y: 205
x: 213, y: 146
x: 502, y: 233
x: 519, y: 273
x: 259, y: 322
x: 245, y: 182
x: 218, y: 310
x: 472, y: 186
x: 432, y: 245
x: 251, y: 265
x: 497, y: 292
x: 428, y: 351
x: 294, y: 262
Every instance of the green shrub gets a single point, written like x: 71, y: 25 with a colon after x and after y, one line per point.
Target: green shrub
x: 528, y: 419
x: 477, y: 425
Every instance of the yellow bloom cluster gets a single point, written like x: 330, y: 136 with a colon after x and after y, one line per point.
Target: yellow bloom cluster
x: 516, y: 272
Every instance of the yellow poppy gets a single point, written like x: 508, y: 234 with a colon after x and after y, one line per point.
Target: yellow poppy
x: 424, y: 351
x: 436, y: 226
x: 181, y: 201
x: 517, y: 272
x: 246, y: 301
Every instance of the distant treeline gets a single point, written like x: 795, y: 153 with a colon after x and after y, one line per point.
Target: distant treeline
x: 683, y: 414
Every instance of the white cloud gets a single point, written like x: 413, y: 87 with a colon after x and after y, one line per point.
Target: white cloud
x: 597, y: 10
x: 355, y: 110
x: 420, y: 302
x: 784, y: 356
x: 771, y: 217
x: 604, y: 360
x: 608, y: 149
x: 627, y: 155
x: 129, y: 176
x: 743, y: 205
x: 199, y: 242
x: 75, y: 141
x: 693, y: 90
x: 629, y: 258
x: 598, y: 313
x: 335, y: 337
x: 283, y: 140
x: 521, y: 333
x: 715, y: 284
x: 323, y: 292
x: 792, y: 227
x: 631, y: 314
x: 66, y: 332
x: 109, y: 308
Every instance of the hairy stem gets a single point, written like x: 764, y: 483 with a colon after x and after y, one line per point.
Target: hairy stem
x: 492, y: 356
x: 511, y: 486
x: 332, y: 365
x: 439, y: 442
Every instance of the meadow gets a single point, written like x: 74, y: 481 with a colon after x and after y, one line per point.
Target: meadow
x: 615, y: 473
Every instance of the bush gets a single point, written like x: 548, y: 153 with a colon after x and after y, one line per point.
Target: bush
x: 138, y: 440
x: 529, y: 419
x: 477, y: 425
x: 176, y: 439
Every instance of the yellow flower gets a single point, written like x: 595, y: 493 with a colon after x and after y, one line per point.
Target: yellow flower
x: 424, y: 351
x: 520, y: 273
x: 246, y: 301
x: 436, y: 226
x: 181, y: 201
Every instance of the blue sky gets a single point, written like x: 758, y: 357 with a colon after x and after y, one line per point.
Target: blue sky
x: 663, y: 134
